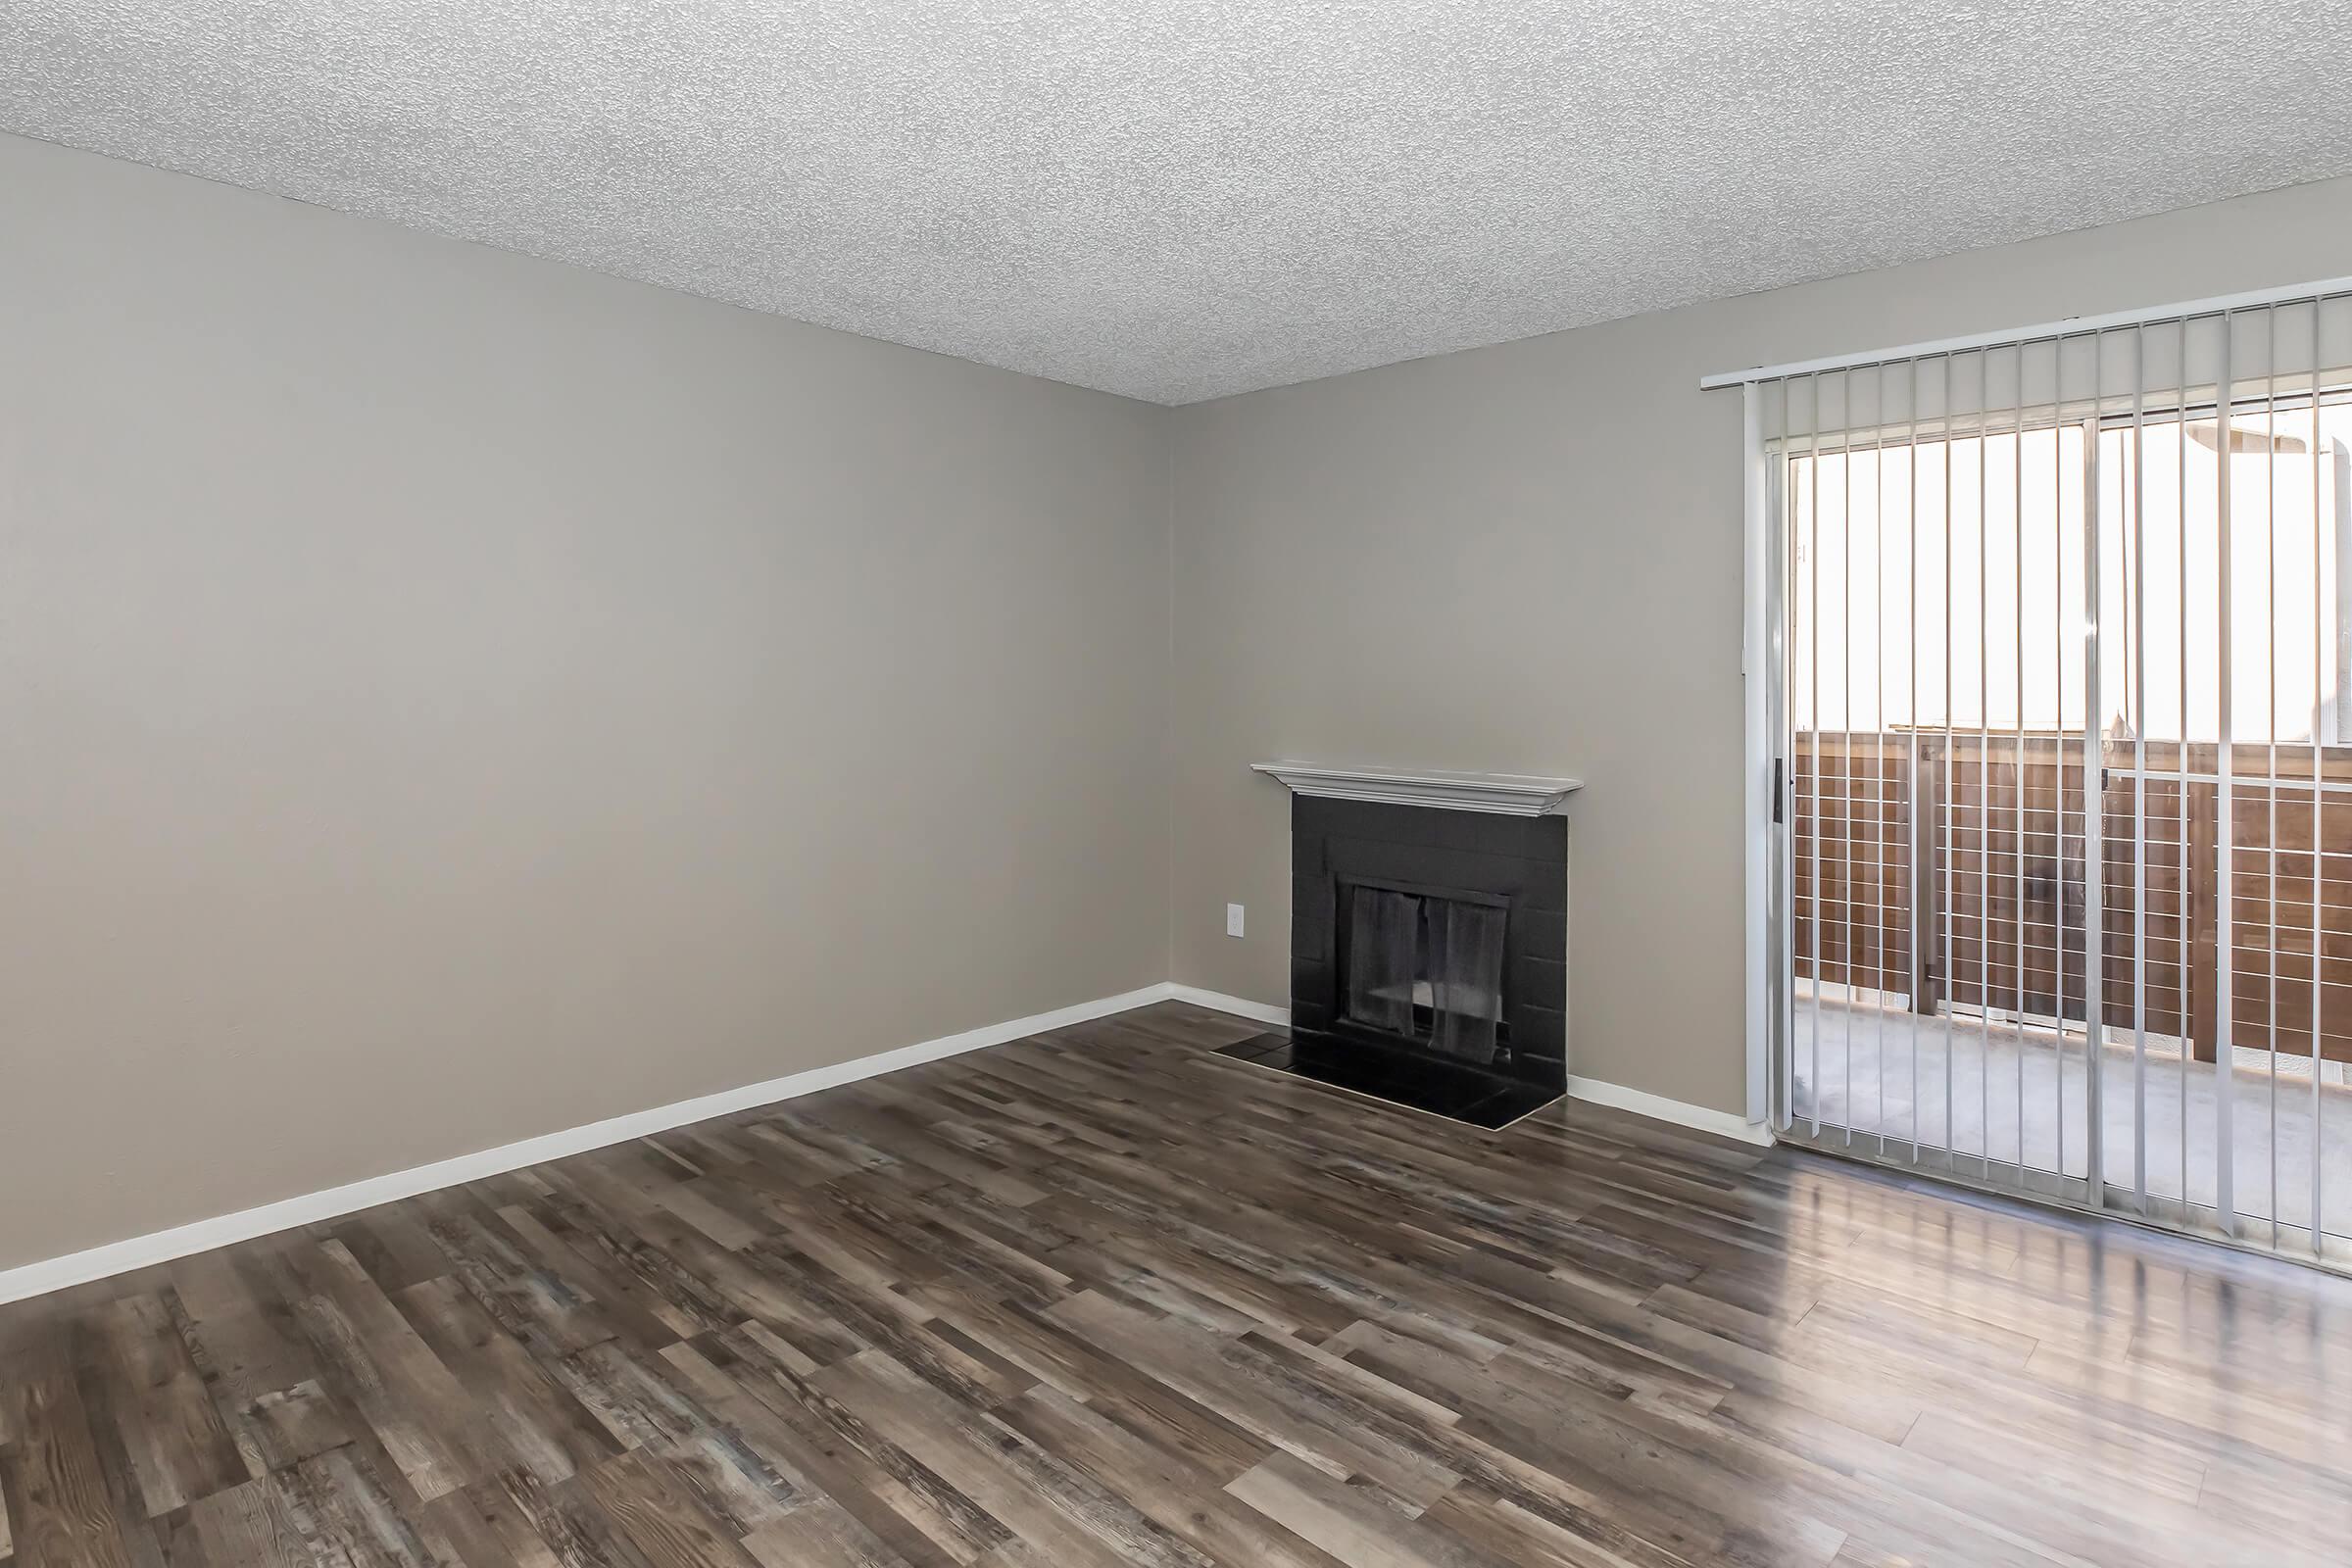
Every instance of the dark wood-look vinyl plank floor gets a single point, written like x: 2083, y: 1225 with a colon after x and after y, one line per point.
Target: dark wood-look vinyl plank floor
x: 1105, y: 1296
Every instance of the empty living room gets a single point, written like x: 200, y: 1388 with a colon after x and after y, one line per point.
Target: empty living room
x: 1205, y: 783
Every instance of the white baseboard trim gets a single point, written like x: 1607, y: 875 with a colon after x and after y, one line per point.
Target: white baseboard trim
x: 160, y: 1247
x: 1219, y: 1001
x: 1722, y: 1123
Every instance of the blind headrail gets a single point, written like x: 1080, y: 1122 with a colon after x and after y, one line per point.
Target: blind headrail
x: 2072, y: 326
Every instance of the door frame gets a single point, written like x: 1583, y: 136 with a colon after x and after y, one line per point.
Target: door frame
x: 1764, y: 774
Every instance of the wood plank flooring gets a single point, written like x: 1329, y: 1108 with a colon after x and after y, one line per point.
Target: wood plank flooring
x: 1102, y: 1297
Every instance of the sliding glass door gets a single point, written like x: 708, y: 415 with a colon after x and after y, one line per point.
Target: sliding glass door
x: 2066, y: 875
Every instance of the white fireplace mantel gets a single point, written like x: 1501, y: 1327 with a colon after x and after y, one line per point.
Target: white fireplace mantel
x: 1503, y: 794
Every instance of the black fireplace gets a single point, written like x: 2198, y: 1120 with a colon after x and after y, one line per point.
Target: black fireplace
x: 1428, y: 957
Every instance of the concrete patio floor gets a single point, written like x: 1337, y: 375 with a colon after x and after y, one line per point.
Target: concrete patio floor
x: 1884, y: 1070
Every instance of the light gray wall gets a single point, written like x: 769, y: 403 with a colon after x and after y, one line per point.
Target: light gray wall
x: 447, y: 697
x: 1527, y: 559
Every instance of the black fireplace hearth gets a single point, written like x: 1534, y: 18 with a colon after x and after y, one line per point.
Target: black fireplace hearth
x: 1428, y: 957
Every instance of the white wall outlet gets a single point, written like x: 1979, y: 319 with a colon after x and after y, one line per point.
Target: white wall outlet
x: 1233, y: 919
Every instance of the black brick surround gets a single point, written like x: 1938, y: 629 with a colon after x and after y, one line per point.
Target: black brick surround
x: 1523, y: 860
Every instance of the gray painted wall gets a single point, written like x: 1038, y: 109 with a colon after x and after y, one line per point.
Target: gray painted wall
x: 448, y: 697
x: 1527, y: 559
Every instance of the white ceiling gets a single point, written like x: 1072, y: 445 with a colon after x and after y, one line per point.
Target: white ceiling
x: 1178, y: 199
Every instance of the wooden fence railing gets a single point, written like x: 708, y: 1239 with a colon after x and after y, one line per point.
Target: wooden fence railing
x: 1952, y: 873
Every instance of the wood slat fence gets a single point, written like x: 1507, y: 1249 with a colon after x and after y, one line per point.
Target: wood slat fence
x: 1974, y: 847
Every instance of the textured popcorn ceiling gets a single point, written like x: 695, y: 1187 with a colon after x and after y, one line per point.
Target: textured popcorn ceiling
x: 1177, y: 199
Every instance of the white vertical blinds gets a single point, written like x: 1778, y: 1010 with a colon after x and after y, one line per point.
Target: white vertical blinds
x: 2066, y: 624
